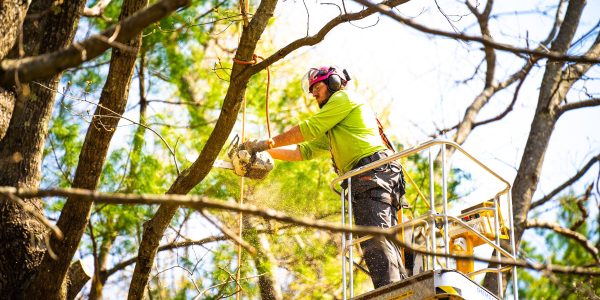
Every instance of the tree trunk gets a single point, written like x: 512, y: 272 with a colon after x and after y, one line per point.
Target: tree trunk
x: 98, y: 280
x: 264, y: 260
x: 552, y: 92
x: 78, y: 277
x: 155, y: 227
x: 75, y: 214
x: 11, y: 19
x: 21, y: 237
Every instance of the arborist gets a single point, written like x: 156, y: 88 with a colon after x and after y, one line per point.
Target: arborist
x: 347, y: 128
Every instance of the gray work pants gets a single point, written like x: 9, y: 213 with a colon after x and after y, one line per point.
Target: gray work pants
x: 376, y: 197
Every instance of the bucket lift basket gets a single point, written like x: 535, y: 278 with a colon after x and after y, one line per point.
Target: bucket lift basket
x: 445, y: 235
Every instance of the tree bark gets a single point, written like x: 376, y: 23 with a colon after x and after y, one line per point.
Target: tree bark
x: 155, y: 227
x: 240, y: 74
x: 264, y: 261
x: 49, y: 64
x: 75, y: 214
x: 22, y: 246
x: 552, y: 92
x: 99, y: 280
x: 12, y: 14
x: 78, y: 277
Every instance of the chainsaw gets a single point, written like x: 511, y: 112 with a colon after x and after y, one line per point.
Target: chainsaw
x: 244, y: 163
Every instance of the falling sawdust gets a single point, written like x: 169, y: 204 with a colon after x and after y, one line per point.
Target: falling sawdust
x: 275, y: 196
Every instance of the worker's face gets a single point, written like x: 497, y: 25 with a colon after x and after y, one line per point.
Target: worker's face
x: 320, y: 92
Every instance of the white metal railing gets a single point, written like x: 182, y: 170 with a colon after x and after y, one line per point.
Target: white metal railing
x: 348, y: 242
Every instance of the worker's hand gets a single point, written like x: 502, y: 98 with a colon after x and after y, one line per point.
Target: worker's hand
x: 254, y: 146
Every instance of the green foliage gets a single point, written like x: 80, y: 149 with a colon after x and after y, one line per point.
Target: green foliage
x: 417, y: 167
x: 563, y: 251
x: 63, y: 144
x: 177, y: 69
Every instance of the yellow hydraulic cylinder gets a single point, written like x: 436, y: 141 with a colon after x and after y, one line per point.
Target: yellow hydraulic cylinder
x: 463, y: 246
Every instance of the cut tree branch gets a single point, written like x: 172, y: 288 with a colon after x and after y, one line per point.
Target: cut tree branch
x: 46, y: 65
x: 566, y: 183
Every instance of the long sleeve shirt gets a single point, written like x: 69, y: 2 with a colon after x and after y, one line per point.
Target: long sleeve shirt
x: 346, y: 127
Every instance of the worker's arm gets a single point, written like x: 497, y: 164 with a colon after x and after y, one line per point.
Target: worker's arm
x: 290, y: 137
x: 288, y: 153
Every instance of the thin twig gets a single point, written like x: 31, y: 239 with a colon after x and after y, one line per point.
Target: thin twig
x: 509, y: 108
x: 582, y: 209
x: 567, y: 183
x: 120, y: 116
x: 552, y: 55
x: 230, y: 234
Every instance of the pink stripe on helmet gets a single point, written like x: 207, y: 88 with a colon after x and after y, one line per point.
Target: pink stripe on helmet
x: 318, y: 75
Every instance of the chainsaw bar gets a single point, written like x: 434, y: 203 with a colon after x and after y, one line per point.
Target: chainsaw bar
x: 223, y: 164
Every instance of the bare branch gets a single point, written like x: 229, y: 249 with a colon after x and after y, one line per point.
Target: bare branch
x: 319, y: 36
x: 122, y: 265
x: 580, y: 104
x: 567, y: 183
x: 182, y: 102
x: 581, y: 207
x: 508, y: 109
x: 580, y: 238
x: 191, y: 201
x: 490, y: 54
x: 466, y: 125
x: 231, y: 235
x: 120, y: 116
x: 45, y: 65
x: 573, y: 73
x: 558, y: 19
x: 231, y: 279
x: 549, y: 54
x: 202, y: 202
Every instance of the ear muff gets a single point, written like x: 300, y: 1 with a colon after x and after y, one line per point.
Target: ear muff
x: 334, y: 83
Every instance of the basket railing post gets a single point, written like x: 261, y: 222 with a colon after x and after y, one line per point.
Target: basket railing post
x: 344, y: 260
x: 512, y: 244
x: 351, y: 254
x: 497, y: 233
x: 445, y: 201
x: 432, y: 207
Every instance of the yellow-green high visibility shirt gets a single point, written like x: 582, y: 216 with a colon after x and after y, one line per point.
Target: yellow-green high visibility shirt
x: 345, y: 123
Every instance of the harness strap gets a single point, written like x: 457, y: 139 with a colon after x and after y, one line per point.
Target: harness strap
x: 384, y: 137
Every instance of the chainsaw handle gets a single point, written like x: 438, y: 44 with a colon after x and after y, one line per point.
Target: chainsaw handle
x: 233, y: 146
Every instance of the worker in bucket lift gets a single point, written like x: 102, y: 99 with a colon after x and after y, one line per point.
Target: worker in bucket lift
x: 348, y: 129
